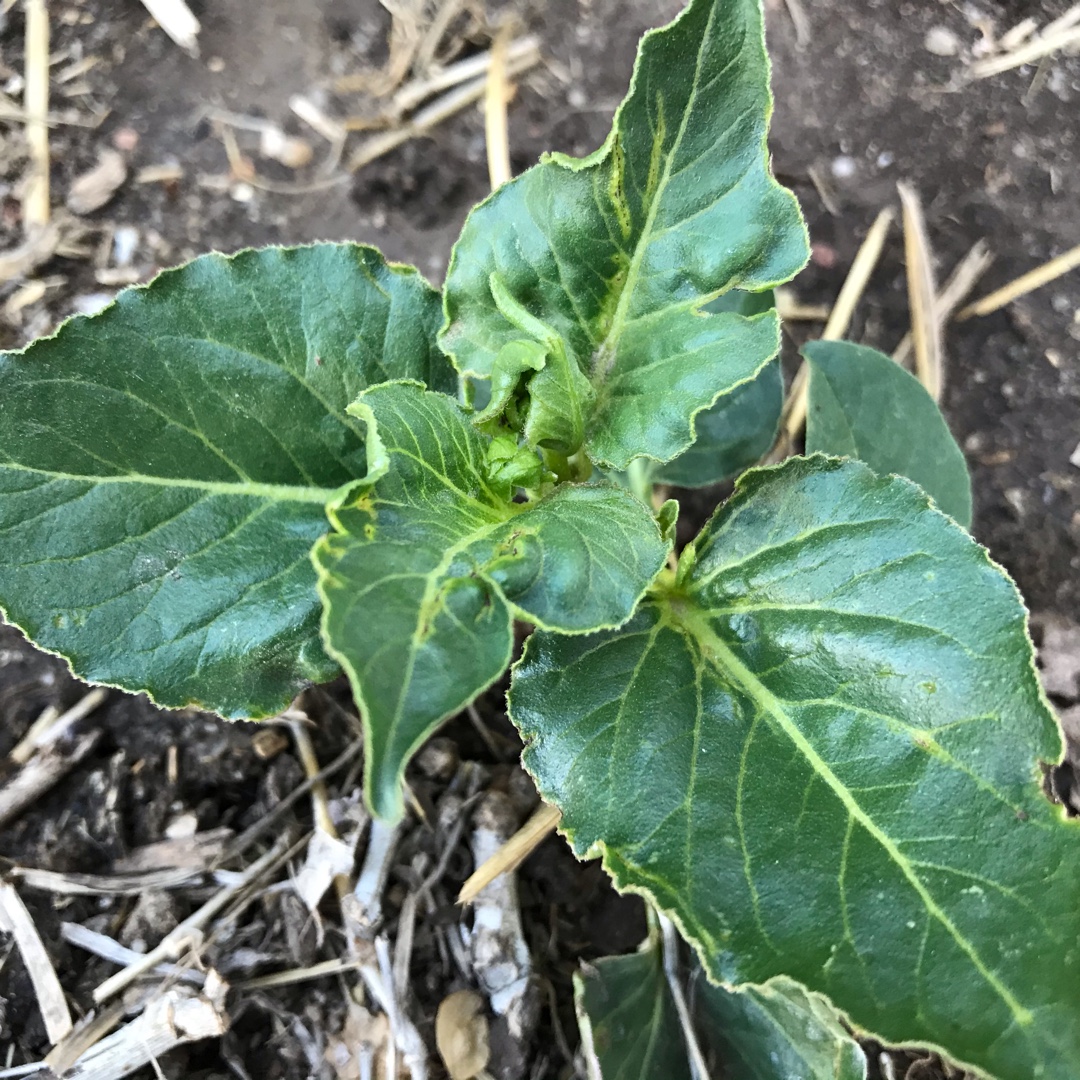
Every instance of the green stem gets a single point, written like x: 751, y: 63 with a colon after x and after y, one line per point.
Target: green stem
x: 637, y: 476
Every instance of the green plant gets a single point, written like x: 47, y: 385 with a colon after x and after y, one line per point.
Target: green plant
x: 814, y: 739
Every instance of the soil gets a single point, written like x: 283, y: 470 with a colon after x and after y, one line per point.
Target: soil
x: 859, y: 106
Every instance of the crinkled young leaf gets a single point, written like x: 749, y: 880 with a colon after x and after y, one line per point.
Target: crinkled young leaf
x: 841, y: 728
x: 778, y: 1031
x: 732, y: 435
x: 864, y: 405
x: 164, y: 467
x: 429, y: 562
x: 738, y: 430
x: 619, y: 254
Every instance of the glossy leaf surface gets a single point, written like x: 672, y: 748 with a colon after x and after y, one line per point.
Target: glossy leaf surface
x: 778, y: 1031
x: 164, y: 467
x: 864, y: 405
x: 631, y: 1030
x: 738, y: 430
x: 429, y: 562
x: 838, y: 717
x: 629, y: 1025
x: 619, y: 254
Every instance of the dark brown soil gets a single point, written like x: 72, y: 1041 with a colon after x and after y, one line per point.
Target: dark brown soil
x: 863, y: 104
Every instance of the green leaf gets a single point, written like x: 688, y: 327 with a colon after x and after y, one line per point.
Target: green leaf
x: 631, y: 1031
x: 739, y: 429
x: 864, y: 405
x: 730, y: 436
x: 837, y: 715
x: 779, y: 1031
x: 164, y: 467
x: 429, y: 563
x: 619, y: 255
x: 629, y: 1025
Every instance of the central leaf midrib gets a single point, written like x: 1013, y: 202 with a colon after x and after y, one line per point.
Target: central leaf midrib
x: 731, y: 668
x: 606, y: 352
x: 246, y: 489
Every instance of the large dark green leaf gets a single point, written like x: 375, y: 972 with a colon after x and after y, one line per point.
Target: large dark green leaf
x: 838, y: 719
x: 164, y: 467
x: 429, y: 562
x: 864, y: 405
x: 779, y: 1031
x: 618, y: 255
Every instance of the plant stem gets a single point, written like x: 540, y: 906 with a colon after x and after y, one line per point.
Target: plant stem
x: 637, y: 476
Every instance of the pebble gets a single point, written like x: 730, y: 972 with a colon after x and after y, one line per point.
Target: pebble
x: 843, y: 167
x: 941, y: 41
x: 125, y: 244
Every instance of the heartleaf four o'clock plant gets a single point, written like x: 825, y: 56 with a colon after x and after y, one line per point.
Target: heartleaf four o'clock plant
x: 812, y: 737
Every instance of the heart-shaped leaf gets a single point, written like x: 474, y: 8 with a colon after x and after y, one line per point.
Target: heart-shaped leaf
x: 164, y: 467
x: 429, y: 561
x: 836, y: 713
x: 864, y: 405
x: 619, y: 255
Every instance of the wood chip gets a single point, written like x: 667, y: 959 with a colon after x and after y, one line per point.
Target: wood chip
x: 42, y: 772
x: 327, y: 859
x: 180, y: 1015
x: 93, y: 189
x: 16, y: 920
x: 159, y: 174
x: 197, y: 852
x: 189, y: 932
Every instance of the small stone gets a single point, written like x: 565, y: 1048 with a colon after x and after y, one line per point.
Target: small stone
x: 941, y: 41
x: 843, y: 167
x: 125, y: 139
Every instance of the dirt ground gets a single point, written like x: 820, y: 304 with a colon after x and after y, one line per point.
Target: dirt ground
x: 861, y: 103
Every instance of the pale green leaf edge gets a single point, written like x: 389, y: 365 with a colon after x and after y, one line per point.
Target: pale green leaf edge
x: 311, y: 494
x: 613, y: 865
x: 598, y: 157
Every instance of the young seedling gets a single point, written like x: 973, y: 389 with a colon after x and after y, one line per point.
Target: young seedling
x: 815, y: 743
